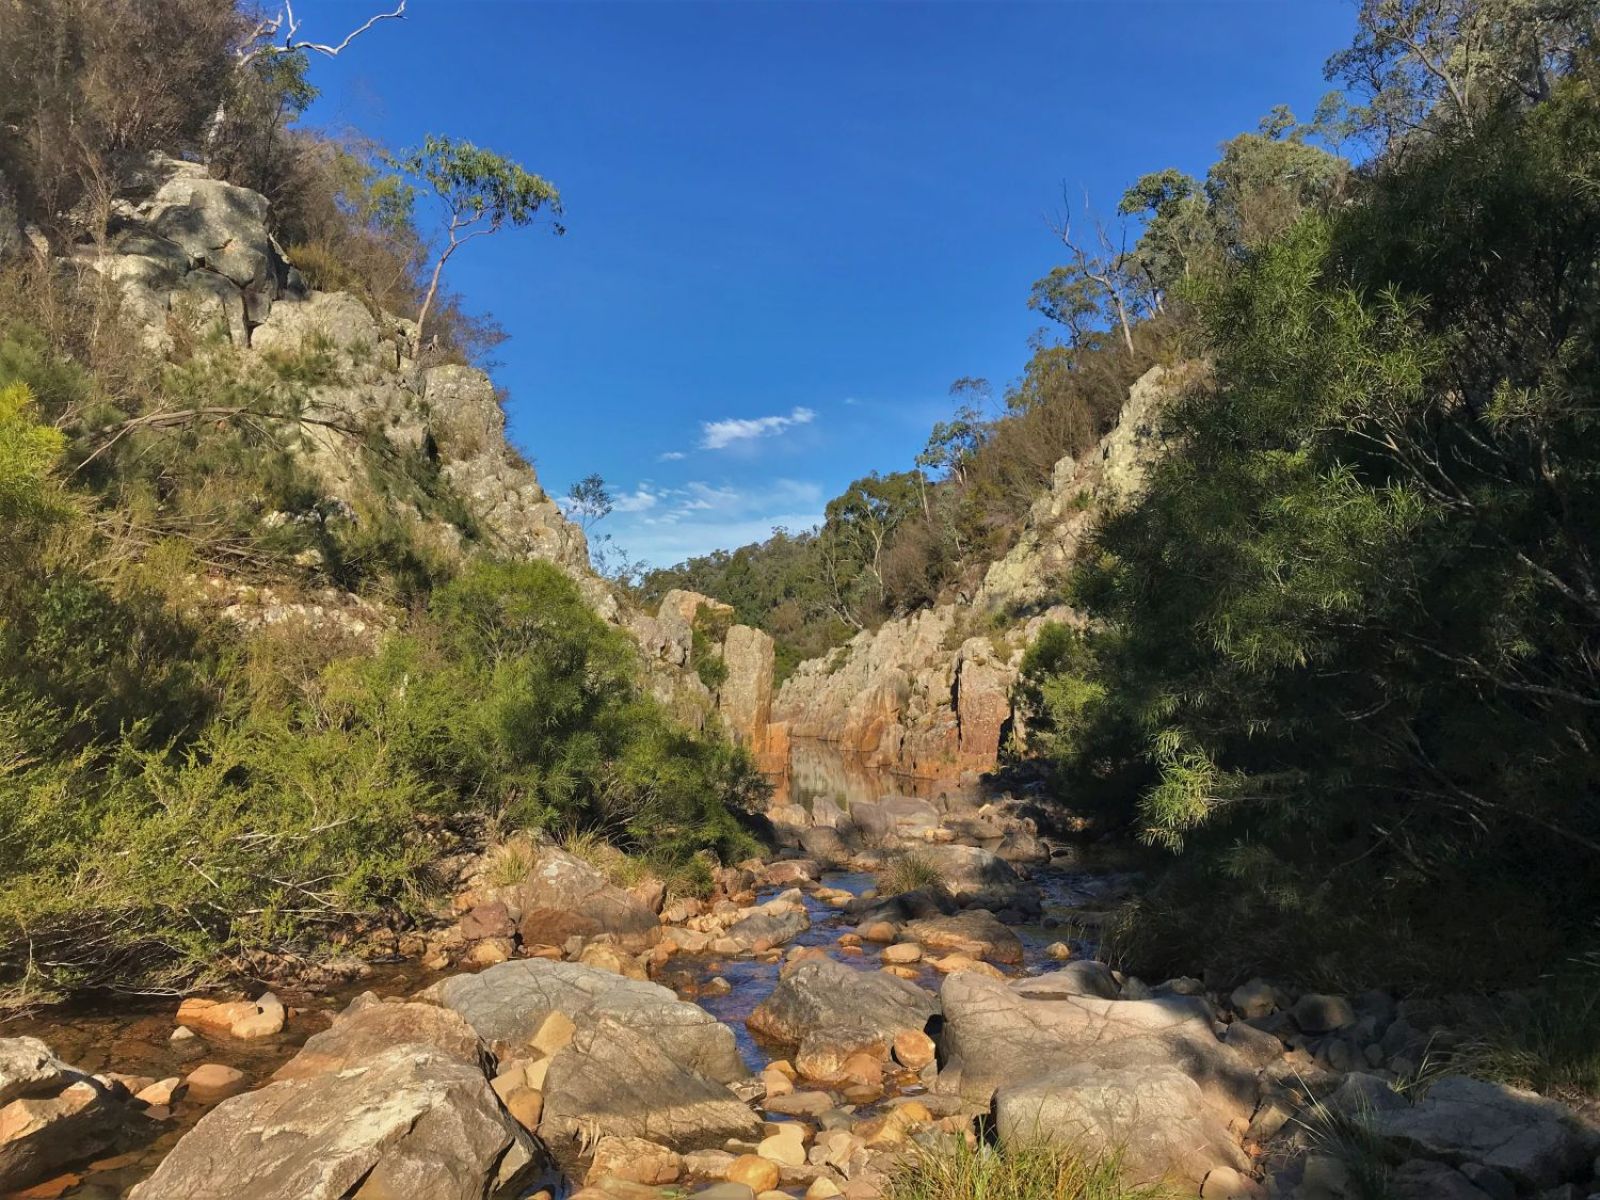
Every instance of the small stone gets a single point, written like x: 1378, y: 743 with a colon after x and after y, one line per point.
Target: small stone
x: 724, y: 1191
x: 863, y: 1067
x: 181, y: 1034
x: 913, y: 1049
x: 214, y: 1081
x: 527, y: 1106
x: 1257, y: 998
x: 1316, y: 1013
x: 488, y: 952
x: 776, y: 1083
x: 634, y: 1160
x: 1059, y: 951
x: 756, y: 1173
x: 822, y: 1188
x: 786, y: 1147
x: 1224, y: 1183
x: 902, y: 953
x: 164, y: 1093
x: 878, y: 931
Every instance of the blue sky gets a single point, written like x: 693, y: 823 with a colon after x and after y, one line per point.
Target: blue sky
x: 792, y: 224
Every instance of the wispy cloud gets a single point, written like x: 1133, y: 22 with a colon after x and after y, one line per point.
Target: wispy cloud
x: 671, y: 456
x: 719, y: 435
x: 665, y: 525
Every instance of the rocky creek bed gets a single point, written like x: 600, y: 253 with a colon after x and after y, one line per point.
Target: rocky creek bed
x: 797, y: 1034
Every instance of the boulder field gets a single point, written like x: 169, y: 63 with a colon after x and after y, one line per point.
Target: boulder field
x: 816, y: 1033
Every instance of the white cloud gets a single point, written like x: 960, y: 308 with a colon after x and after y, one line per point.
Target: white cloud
x: 641, y: 499
x: 699, y: 517
x: 671, y: 456
x: 719, y: 435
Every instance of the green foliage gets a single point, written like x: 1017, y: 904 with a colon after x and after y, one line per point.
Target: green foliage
x: 953, y: 1169
x: 479, y: 191
x: 28, y: 450
x: 707, y: 633
x: 1340, y: 648
x: 910, y: 873
x: 475, y: 184
x: 276, y: 821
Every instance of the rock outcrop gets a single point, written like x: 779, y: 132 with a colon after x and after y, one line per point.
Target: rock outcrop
x: 51, y: 1113
x: 707, y: 666
x: 928, y: 694
x: 605, y: 1054
x: 1147, y: 1077
x: 189, y: 255
x: 410, y: 1120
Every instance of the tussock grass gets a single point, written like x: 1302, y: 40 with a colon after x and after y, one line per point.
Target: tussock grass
x: 910, y: 872
x: 956, y: 1169
x: 1548, y: 1041
x: 1351, y: 1140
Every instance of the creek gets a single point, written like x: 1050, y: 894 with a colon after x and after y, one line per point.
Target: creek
x: 133, y: 1035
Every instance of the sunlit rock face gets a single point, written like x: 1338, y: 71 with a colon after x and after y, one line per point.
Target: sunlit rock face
x: 929, y: 694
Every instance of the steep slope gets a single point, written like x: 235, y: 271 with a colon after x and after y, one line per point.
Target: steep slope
x: 200, y: 276
x: 930, y: 694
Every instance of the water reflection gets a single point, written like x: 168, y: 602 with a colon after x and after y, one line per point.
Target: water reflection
x: 821, y: 771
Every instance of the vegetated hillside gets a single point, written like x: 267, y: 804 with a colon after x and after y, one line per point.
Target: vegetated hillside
x: 1337, y: 660
x: 1341, y: 657
x: 284, y: 621
x: 902, y: 621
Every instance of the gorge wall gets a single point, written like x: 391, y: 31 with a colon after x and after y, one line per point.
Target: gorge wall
x: 195, y: 271
x: 929, y: 694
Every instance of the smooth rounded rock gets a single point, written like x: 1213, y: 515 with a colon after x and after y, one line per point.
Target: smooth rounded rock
x: 756, y: 1173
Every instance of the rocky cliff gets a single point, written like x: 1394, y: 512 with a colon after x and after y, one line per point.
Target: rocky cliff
x: 197, y: 272
x: 930, y: 694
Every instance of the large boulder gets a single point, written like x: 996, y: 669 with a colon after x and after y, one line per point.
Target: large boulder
x: 820, y: 994
x: 562, y: 897
x: 894, y: 820
x: 410, y: 1121
x: 995, y: 1034
x: 978, y: 878
x: 219, y: 225
x: 617, y: 1079
x: 779, y: 920
x: 1533, y: 1140
x: 51, y: 1114
x: 336, y: 320
x: 977, y: 933
x: 507, y: 1004
x: 1154, y: 1117
x: 369, y: 1026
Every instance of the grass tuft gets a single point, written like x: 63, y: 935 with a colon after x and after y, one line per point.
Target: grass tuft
x: 1548, y: 1041
x: 956, y: 1169
x: 910, y: 873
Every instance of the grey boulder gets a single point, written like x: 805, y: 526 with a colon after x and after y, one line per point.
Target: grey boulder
x: 1533, y: 1140
x: 411, y: 1121
x: 506, y: 1005
x: 1155, y: 1117
x: 817, y: 994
